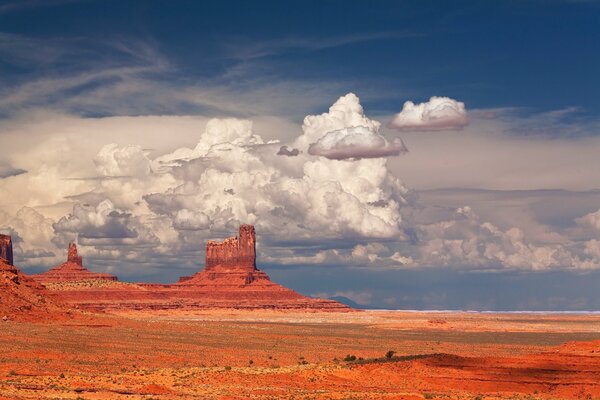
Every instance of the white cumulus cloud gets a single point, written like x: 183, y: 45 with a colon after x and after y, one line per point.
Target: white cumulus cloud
x: 439, y: 113
x: 130, y: 160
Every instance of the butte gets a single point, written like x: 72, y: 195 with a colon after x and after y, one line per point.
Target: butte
x: 71, y: 270
x: 230, y: 279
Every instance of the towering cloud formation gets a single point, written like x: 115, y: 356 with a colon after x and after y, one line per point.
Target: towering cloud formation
x: 232, y: 176
x: 439, y: 113
x: 345, y: 132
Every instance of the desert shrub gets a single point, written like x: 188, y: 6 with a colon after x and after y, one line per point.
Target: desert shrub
x: 12, y: 372
x: 250, y: 362
x: 227, y: 368
x: 390, y: 354
x: 350, y: 358
x: 61, y: 375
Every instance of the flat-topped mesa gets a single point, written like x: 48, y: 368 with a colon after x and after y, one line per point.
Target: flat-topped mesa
x: 6, y: 251
x: 234, y: 252
x: 72, y: 255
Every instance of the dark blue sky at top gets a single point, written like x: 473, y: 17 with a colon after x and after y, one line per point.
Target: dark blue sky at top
x: 539, y: 54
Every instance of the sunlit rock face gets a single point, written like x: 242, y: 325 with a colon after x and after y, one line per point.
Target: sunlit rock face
x: 234, y: 252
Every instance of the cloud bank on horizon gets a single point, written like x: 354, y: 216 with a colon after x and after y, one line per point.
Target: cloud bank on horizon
x: 336, y: 189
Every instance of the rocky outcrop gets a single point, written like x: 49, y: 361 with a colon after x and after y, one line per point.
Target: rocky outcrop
x: 21, y: 298
x: 235, y: 252
x: 72, y: 255
x: 72, y: 270
x: 6, y: 252
x: 230, y: 280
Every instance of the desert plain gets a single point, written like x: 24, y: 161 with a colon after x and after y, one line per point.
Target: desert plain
x: 260, y: 354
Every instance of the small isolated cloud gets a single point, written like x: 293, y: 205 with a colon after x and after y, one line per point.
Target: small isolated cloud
x: 356, y: 142
x: 288, y: 151
x: 439, y: 113
x: 7, y: 170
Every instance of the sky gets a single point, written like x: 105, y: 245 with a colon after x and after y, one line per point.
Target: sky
x: 402, y: 154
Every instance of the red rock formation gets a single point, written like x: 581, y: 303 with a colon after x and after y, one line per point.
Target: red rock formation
x: 72, y: 270
x: 72, y: 255
x: 229, y: 280
x: 235, y: 252
x: 21, y: 298
x: 6, y: 249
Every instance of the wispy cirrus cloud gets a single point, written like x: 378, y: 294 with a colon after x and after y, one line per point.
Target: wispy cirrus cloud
x: 246, y: 49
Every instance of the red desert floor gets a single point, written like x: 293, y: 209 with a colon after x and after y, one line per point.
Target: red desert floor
x: 272, y: 355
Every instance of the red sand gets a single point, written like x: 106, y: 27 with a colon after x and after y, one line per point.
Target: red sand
x: 299, y: 355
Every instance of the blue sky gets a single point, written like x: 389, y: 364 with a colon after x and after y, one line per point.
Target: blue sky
x: 540, y: 55
x: 108, y: 137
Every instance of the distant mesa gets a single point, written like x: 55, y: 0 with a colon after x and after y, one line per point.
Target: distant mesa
x: 234, y: 260
x: 72, y: 270
x: 229, y: 280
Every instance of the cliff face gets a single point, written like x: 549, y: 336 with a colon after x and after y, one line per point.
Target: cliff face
x: 235, y: 252
x: 6, y: 252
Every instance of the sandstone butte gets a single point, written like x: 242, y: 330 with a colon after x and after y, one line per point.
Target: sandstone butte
x: 230, y: 280
x: 71, y: 270
x: 22, y: 298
